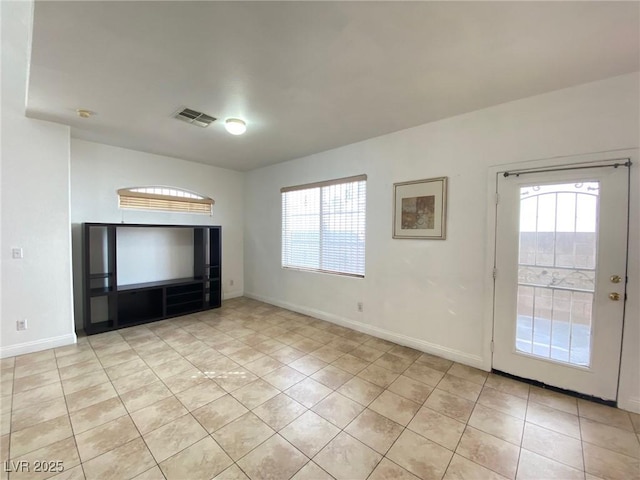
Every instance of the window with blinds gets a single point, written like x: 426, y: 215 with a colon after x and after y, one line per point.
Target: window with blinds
x: 323, y: 226
x: 167, y: 199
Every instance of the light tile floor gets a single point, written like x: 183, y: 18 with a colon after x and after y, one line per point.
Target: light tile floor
x: 254, y: 391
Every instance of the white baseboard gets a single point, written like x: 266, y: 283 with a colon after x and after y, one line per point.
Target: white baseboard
x: 629, y: 404
x: 422, y: 345
x: 232, y: 294
x: 38, y: 345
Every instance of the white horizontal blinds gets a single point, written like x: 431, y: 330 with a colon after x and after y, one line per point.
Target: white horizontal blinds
x: 166, y: 191
x: 343, y: 224
x: 301, y: 229
x: 323, y: 227
x: 164, y: 198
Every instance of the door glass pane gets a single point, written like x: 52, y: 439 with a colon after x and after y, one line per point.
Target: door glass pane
x: 556, y: 271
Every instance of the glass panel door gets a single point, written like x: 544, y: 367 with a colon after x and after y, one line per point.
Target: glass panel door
x: 561, y: 240
x: 556, y: 271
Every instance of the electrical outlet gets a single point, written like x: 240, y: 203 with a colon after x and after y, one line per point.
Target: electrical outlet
x: 231, y: 282
x: 360, y: 306
x: 17, y: 253
x: 21, y: 324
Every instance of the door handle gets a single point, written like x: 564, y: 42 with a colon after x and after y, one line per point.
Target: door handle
x: 615, y: 296
x: 615, y: 279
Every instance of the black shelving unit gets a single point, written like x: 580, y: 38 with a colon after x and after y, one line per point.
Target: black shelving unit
x: 109, y: 306
x: 185, y: 298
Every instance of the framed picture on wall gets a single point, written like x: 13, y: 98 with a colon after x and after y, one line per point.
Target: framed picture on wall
x: 420, y: 209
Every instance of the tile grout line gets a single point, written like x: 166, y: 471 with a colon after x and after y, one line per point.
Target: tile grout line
x: 584, y: 458
x: 73, y: 434
x: 276, y: 432
x: 310, y: 459
x: 406, y: 427
x: 118, y: 395
x: 10, y: 434
x: 230, y: 393
x: 128, y: 413
x: 343, y: 354
x: 174, y: 395
x: 466, y: 424
x: 341, y: 430
x: 196, y: 367
x: 524, y: 426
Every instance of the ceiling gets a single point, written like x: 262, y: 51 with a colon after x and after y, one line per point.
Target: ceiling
x: 306, y: 76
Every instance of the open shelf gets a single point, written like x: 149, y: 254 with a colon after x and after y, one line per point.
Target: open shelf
x: 140, y: 305
x: 160, y: 283
x: 99, y: 292
x: 100, y: 275
x: 184, y: 296
x: 176, y: 290
x: 99, y: 327
x: 184, y: 308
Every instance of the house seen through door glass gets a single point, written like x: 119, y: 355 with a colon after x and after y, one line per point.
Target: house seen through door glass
x: 556, y: 271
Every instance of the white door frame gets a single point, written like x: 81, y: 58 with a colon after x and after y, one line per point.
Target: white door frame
x: 490, y: 252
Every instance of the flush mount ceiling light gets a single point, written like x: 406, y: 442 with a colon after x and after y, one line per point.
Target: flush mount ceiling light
x: 82, y: 113
x: 235, y: 126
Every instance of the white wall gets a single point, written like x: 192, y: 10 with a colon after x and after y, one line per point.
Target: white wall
x: 35, y: 206
x: 153, y: 254
x: 629, y: 392
x: 98, y: 171
x: 432, y: 294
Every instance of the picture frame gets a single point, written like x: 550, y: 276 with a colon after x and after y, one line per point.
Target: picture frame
x: 420, y: 209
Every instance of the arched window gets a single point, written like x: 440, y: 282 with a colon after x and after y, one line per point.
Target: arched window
x: 169, y: 199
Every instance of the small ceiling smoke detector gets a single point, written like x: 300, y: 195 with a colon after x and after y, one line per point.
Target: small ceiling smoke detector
x: 84, y: 113
x: 194, y: 117
x: 235, y: 126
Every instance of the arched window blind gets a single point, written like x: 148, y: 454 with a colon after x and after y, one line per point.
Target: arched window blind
x: 323, y: 226
x: 167, y: 199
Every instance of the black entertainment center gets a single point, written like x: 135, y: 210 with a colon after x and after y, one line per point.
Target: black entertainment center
x: 109, y: 305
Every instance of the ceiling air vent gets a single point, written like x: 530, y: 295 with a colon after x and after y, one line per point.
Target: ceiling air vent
x: 194, y: 117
